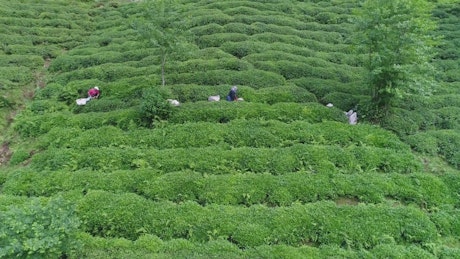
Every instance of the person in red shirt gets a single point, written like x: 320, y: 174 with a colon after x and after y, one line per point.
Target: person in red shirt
x: 93, y: 93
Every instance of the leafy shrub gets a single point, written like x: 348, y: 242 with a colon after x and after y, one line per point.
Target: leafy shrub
x: 39, y: 229
x: 154, y: 106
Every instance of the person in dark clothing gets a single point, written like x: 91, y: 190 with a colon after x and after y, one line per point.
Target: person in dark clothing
x: 232, y: 95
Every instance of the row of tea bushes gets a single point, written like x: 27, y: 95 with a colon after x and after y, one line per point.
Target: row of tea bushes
x: 33, y: 126
x: 323, y: 223
x: 28, y: 125
x: 236, y: 133
x: 151, y: 246
x: 226, y: 111
x: 219, y: 159
x: 444, y: 143
x: 248, y: 189
x: 269, y: 95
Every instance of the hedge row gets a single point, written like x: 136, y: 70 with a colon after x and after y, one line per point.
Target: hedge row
x: 151, y: 246
x: 226, y: 111
x: 322, y: 87
x: 28, y: 125
x: 236, y: 133
x: 269, y: 95
x: 221, y: 159
x: 33, y: 126
x: 444, y: 143
x: 30, y: 61
x: 253, y: 78
x: 292, y: 70
x: 106, y: 72
x: 323, y: 223
x: 67, y: 63
x: 247, y: 189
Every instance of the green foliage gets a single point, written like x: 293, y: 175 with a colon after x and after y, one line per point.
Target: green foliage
x: 19, y: 156
x: 323, y: 159
x: 285, y: 225
x: 285, y: 112
x: 396, y: 36
x: 154, y: 106
x: 161, y: 28
x: 442, y: 142
x: 39, y: 229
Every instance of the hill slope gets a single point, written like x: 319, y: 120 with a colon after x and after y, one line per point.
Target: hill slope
x: 278, y: 175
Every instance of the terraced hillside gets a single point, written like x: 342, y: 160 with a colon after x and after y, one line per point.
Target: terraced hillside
x: 278, y: 175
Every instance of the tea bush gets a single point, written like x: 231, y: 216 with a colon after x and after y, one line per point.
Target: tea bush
x: 344, y: 101
x: 226, y: 111
x: 218, y: 159
x: 237, y: 133
x: 448, y: 118
x: 254, y: 78
x: 154, y: 106
x: 195, y: 65
x: 33, y: 126
x: 102, y: 216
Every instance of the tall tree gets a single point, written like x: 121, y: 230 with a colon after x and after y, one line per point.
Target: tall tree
x: 160, y: 27
x: 396, y: 36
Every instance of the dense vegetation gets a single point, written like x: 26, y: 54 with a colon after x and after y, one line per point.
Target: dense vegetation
x: 278, y: 175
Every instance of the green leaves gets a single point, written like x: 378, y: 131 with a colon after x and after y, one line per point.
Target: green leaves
x: 38, y: 229
x: 397, y: 37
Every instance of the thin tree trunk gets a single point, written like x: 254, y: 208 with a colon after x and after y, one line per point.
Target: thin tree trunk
x: 163, y: 62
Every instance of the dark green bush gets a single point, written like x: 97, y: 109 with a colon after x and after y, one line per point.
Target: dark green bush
x: 154, y: 106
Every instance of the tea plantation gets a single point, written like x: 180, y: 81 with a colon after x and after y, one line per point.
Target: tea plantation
x: 278, y: 175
